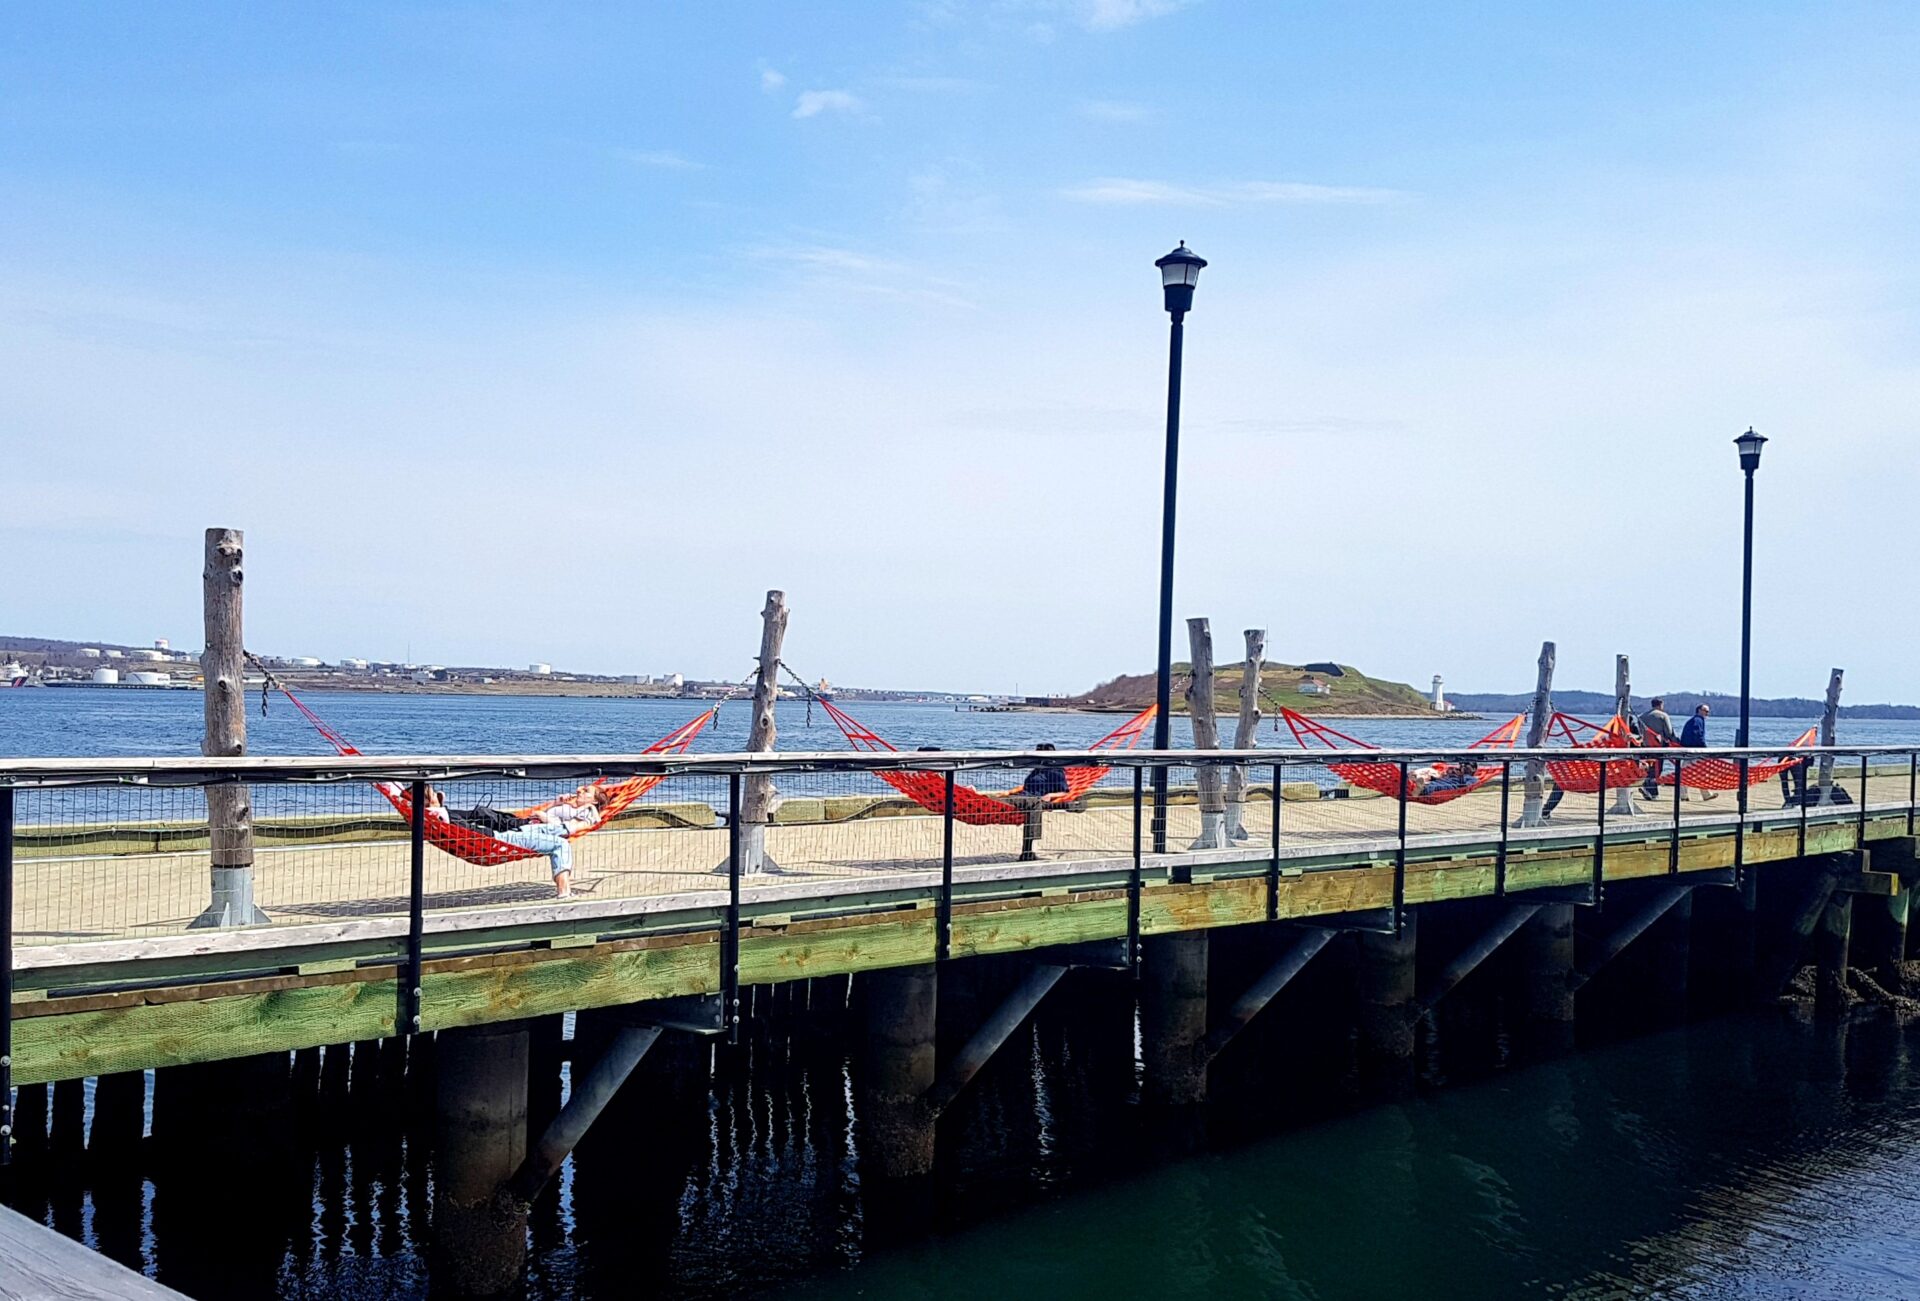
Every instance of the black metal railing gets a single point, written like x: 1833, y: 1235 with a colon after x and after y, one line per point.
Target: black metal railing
x: 109, y: 790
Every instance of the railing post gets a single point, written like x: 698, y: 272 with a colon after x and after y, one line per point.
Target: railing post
x: 1273, y: 858
x: 1862, y: 836
x: 1913, y: 786
x: 1400, y: 854
x: 1500, y: 852
x: 6, y: 975
x: 730, y: 938
x: 411, y: 985
x: 1600, y: 837
x: 1133, y: 877
x: 944, y: 913
x: 1803, y: 821
x: 1679, y: 793
x: 1740, y: 825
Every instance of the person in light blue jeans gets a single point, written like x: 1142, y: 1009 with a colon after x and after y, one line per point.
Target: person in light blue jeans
x: 551, y: 828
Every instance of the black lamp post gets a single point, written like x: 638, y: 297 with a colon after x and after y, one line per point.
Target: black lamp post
x: 1179, y: 272
x: 1749, y: 444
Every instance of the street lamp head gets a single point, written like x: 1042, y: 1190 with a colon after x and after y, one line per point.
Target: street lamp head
x: 1749, y: 444
x: 1179, y: 273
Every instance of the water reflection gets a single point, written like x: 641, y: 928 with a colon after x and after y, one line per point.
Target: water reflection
x: 1752, y: 1155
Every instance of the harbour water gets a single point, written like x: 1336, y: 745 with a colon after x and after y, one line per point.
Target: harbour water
x: 1748, y: 1155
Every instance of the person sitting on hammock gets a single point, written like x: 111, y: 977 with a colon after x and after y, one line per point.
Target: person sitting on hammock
x: 546, y: 831
x: 1035, y: 793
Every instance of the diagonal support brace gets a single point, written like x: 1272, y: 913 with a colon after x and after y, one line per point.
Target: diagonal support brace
x: 1503, y: 928
x: 590, y: 1097
x: 994, y: 1032
x: 1628, y: 931
x: 1274, y: 979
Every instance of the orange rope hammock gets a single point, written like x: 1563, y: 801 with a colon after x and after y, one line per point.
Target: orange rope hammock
x: 1724, y: 774
x: 1583, y: 775
x: 981, y: 808
x: 479, y: 848
x: 1385, y: 777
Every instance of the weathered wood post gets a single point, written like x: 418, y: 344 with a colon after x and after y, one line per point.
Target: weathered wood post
x: 1829, y: 728
x: 757, y: 797
x: 1246, y: 734
x: 1623, y: 710
x: 1206, y: 736
x: 480, y: 1237
x: 229, y: 806
x: 1532, y: 809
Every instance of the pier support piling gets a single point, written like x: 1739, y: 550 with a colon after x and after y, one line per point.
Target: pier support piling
x: 593, y: 1089
x: 900, y: 1006
x: 119, y: 1116
x: 1546, y: 946
x: 1173, y: 1017
x: 1831, y: 995
x: 479, y: 1238
x: 1265, y: 988
x: 1630, y: 929
x: 1385, y: 1008
x: 993, y: 1032
x: 1498, y: 932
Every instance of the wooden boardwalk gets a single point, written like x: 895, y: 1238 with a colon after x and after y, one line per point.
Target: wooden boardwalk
x: 109, y: 979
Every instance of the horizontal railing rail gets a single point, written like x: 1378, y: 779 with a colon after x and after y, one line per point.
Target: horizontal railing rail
x: 190, y: 771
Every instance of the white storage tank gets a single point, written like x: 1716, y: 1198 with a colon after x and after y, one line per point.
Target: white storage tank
x: 106, y: 677
x: 540, y: 670
x: 147, y: 679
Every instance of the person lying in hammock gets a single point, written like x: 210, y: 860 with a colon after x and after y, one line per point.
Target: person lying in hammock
x: 1438, y: 778
x: 545, y: 831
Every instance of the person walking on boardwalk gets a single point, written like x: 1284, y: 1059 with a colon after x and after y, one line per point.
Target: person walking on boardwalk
x: 1694, y: 737
x: 1656, y: 728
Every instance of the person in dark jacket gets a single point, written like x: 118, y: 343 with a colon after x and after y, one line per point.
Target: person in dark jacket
x: 1040, y: 786
x: 1694, y: 736
x: 1656, y: 729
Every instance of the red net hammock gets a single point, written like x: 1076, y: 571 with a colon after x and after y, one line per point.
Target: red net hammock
x: 483, y: 850
x: 1455, y: 779
x: 1724, y: 774
x: 1583, y: 775
x: 982, y: 808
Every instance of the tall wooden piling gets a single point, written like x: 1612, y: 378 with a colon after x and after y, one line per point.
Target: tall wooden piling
x: 1173, y: 1017
x: 1623, y: 710
x: 1829, y: 729
x: 480, y: 1238
x: 1546, y: 972
x: 757, y: 794
x: 1246, y: 733
x: 1671, y: 958
x: 1385, y: 1006
x: 1532, y: 809
x: 1206, y: 736
x: 229, y: 806
x: 901, y: 1006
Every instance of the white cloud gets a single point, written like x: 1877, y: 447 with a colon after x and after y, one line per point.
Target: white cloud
x: 1132, y: 191
x: 664, y: 159
x: 1111, y: 15
x: 864, y: 273
x: 1112, y: 110
x: 771, y: 79
x: 812, y: 103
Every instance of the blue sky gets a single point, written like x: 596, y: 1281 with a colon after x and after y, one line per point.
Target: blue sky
x: 517, y: 332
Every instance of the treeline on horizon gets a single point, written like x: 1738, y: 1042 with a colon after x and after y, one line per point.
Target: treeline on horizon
x: 1678, y: 703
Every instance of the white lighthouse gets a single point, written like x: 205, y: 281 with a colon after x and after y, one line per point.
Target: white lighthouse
x: 1439, y: 695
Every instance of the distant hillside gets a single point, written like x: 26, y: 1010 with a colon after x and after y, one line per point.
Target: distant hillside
x: 1678, y: 703
x: 1352, y: 692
